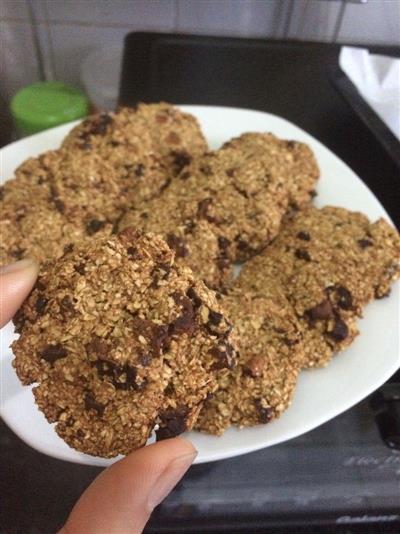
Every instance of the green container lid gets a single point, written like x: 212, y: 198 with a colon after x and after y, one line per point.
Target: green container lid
x: 43, y: 105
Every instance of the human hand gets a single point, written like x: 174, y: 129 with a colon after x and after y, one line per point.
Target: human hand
x: 121, y: 499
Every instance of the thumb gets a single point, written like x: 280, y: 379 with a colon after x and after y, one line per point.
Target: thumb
x: 16, y: 282
x: 121, y: 498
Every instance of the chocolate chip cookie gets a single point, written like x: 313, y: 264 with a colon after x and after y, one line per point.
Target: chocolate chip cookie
x: 271, y: 353
x: 331, y: 262
x: 106, y: 164
x: 160, y: 129
x: 293, y: 160
x: 120, y: 340
x: 228, y: 204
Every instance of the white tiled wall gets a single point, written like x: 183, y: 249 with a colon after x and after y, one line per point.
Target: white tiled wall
x: 68, y: 29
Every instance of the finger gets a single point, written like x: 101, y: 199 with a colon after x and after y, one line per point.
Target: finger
x: 123, y: 496
x: 16, y: 282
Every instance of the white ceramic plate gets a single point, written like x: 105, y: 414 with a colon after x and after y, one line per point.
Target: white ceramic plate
x: 321, y: 394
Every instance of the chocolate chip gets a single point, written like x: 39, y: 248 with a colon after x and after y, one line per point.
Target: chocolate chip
x: 189, y: 227
x: 290, y: 342
x: 241, y: 191
x: 59, y: 205
x: 223, y: 357
x: 94, y: 225
x: 85, y: 145
x: 340, y: 330
x: 68, y: 248
x: 214, y: 317
x: 52, y: 353
x: 156, y: 335
x: 345, y: 299
x: 173, y: 138
x: 264, y: 414
x: 125, y: 378
x: 185, y: 323
x: 202, y: 209
x: 134, y: 253
x: 172, y: 422
x: 178, y: 245
x: 254, y: 366
x: 230, y: 173
x: 40, y: 304
x: 242, y: 245
x: 165, y: 184
x: 365, y: 243
x: 206, y: 169
x: 98, y: 347
x: 379, y: 295
x: 139, y: 170
x: 181, y: 159
x: 290, y: 144
x: 165, y: 270
x: 80, y: 268
x: 321, y: 311
x: 54, y: 197
x: 302, y: 254
x: 161, y: 118
x: 170, y: 390
x: 145, y: 359
x: 223, y: 263
x: 19, y: 321
x: 114, y: 143
x: 191, y: 293
x: 313, y: 193
x: 223, y: 243
x: 160, y: 272
x: 160, y: 338
x: 122, y: 377
x: 17, y: 253
x: 305, y: 236
x: 67, y: 304
x: 40, y: 285
x: 96, y: 125
x: 92, y: 404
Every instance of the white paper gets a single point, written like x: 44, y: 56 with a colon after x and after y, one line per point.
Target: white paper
x: 377, y: 78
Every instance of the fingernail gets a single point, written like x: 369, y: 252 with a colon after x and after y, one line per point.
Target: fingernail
x: 169, y: 478
x: 21, y: 265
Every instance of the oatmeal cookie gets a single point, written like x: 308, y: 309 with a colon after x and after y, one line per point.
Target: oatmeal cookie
x: 228, y: 204
x: 65, y: 196
x: 331, y: 262
x: 160, y: 129
x: 119, y: 339
x: 293, y: 160
x: 271, y: 354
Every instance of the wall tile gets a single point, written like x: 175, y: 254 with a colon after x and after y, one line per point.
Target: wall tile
x: 313, y: 20
x: 18, y: 54
x: 142, y: 14
x: 14, y: 10
x: 229, y: 17
x: 377, y: 21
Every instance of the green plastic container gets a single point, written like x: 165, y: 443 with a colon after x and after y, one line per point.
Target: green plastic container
x: 43, y: 105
